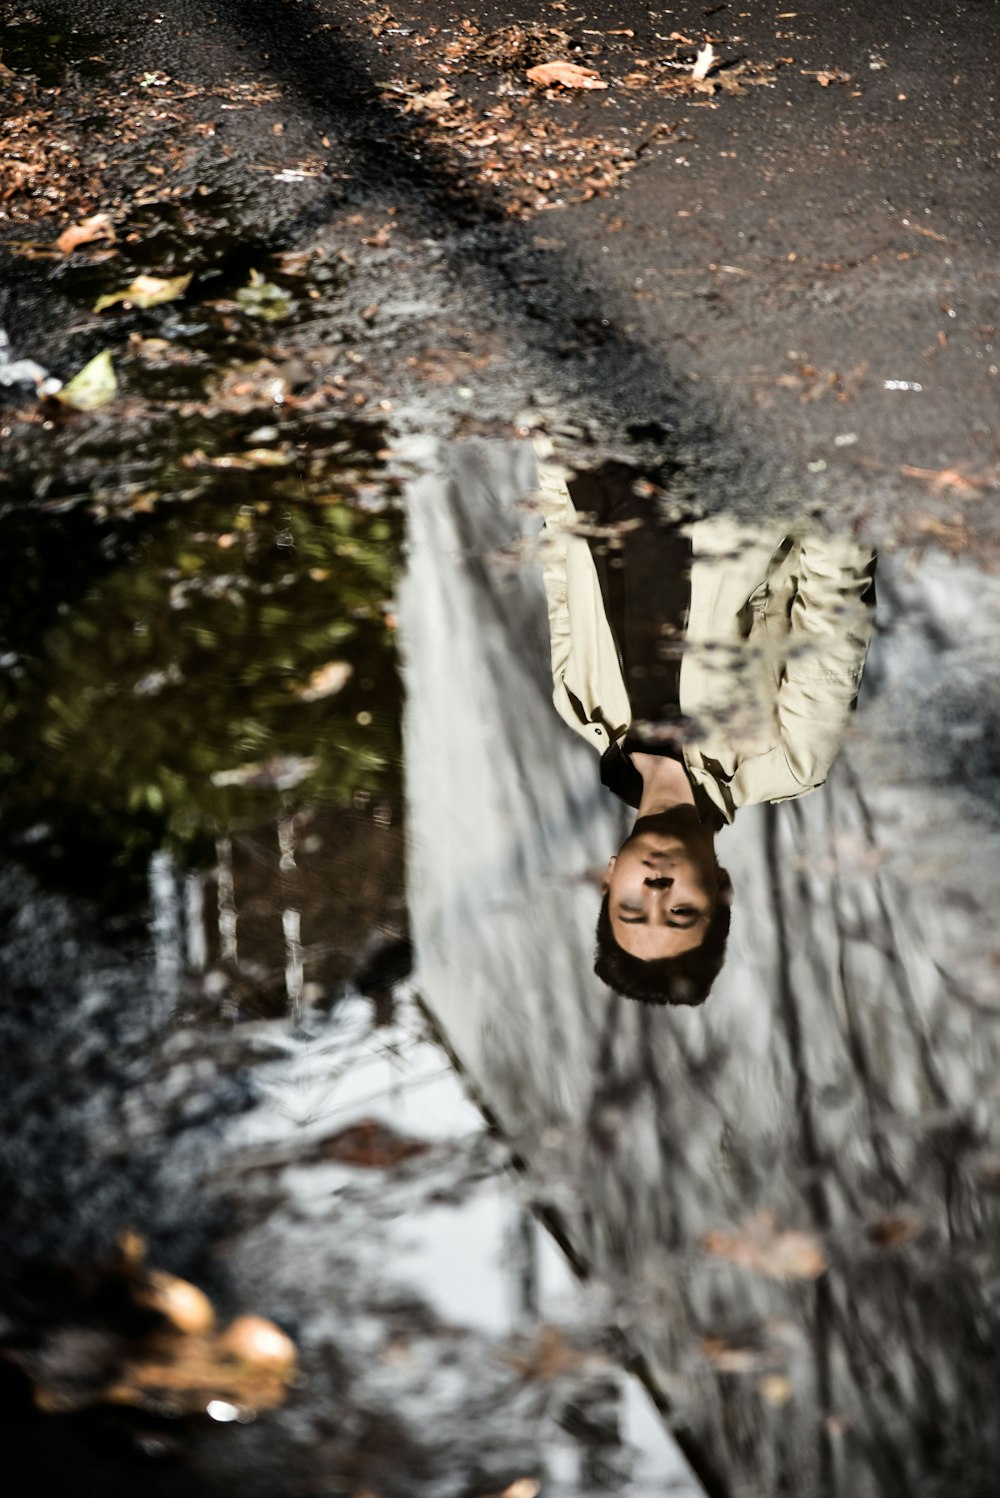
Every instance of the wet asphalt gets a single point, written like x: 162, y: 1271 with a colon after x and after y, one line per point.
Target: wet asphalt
x: 797, y: 285
x: 805, y: 273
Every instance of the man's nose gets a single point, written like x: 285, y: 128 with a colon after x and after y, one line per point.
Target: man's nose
x: 663, y: 881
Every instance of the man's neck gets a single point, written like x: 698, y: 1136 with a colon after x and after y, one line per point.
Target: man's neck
x: 665, y: 783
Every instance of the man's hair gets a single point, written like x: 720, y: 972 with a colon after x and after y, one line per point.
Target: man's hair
x: 686, y: 979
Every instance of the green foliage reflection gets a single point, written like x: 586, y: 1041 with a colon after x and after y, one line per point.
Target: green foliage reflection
x: 170, y: 698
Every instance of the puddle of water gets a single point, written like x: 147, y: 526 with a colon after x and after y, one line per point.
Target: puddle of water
x: 51, y: 56
x: 175, y: 675
x: 777, y: 1209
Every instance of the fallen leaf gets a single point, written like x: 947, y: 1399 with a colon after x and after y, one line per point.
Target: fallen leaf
x: 97, y: 227
x: 326, y: 681
x: 94, y: 385
x: 294, y: 262
x: 955, y: 534
x: 369, y: 1144
x: 431, y: 102
x: 568, y: 74
x: 549, y: 1357
x: 256, y: 1341
x: 186, y: 1307
x: 730, y: 1357
x: 776, y: 1388
x: 763, y: 1248
x: 266, y: 457
x: 169, y: 1355
x: 146, y: 291
x: 890, y: 1232
x: 948, y: 480
x: 704, y: 62
x: 262, y: 299
x: 826, y: 76
x: 927, y: 233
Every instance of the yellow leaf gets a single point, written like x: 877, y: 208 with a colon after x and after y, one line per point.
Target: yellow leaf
x: 94, y: 386
x: 776, y: 1389
x: 146, y: 291
x: 431, y: 102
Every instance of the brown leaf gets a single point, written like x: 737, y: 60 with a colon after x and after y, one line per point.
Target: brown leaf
x: 380, y: 238
x: 826, y: 76
x: 550, y: 1356
x: 763, y: 1248
x: 927, y: 233
x: 568, y: 74
x: 734, y: 1356
x: 369, y: 1144
x: 890, y: 1232
x: 954, y: 535
x: 97, y: 227
x: 94, y: 1355
x: 949, y: 480
x: 183, y: 1305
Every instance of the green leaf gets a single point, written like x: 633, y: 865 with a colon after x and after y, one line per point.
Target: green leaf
x: 146, y: 291
x: 94, y: 386
x: 263, y: 299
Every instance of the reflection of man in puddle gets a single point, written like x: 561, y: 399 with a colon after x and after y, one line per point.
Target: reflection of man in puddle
x: 712, y: 665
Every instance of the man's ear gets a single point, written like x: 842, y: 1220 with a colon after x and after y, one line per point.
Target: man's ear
x: 724, y: 892
x: 606, y: 881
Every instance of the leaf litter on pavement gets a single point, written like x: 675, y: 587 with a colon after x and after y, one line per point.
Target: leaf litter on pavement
x: 180, y: 1361
x: 762, y: 1247
x: 524, y: 140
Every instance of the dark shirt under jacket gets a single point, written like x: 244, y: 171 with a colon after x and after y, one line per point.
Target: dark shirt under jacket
x: 645, y: 578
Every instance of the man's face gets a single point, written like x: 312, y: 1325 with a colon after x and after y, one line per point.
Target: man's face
x: 663, y: 886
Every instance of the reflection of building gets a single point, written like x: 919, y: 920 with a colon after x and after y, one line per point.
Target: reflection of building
x: 841, y: 1078
x: 286, y: 915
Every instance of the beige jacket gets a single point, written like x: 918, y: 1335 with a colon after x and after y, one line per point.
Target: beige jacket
x: 776, y: 644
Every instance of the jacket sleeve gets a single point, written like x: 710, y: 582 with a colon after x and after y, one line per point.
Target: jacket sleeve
x: 831, y: 624
x: 557, y: 511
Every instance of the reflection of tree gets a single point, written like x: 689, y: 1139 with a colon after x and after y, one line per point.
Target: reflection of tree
x: 174, y: 700
x: 848, y: 1128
